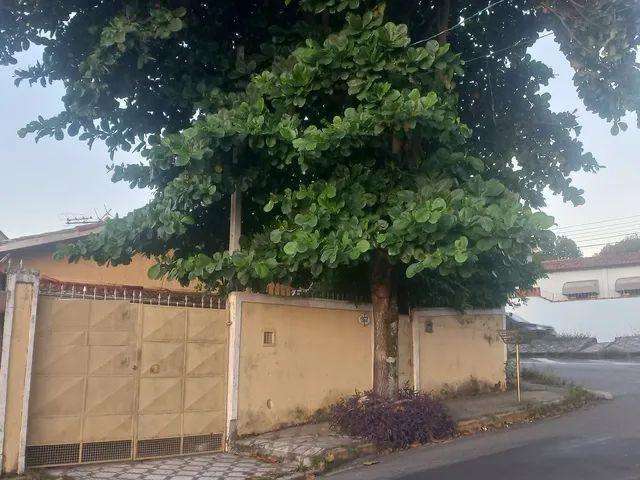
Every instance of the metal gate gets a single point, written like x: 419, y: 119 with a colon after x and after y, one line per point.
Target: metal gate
x: 118, y: 380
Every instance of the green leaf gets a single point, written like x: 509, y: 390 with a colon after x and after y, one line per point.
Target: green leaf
x: 269, y: 206
x: 439, y: 204
x: 414, y: 269
x: 261, y: 269
x: 461, y: 257
x: 175, y: 24
x: 462, y: 243
x: 422, y: 214
x: 486, y: 244
x: 73, y: 129
x: 542, y: 220
x: 486, y: 223
x: 291, y: 248
x: 363, y: 245
x: 155, y: 272
x: 476, y: 163
x: 275, y: 236
x: 494, y: 188
x: 615, y: 129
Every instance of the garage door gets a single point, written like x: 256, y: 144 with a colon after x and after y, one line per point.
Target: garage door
x: 118, y: 380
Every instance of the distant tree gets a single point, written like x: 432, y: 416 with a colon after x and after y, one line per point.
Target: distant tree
x: 630, y: 244
x: 560, y: 248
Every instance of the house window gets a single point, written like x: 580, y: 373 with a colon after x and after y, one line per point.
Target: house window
x: 581, y: 290
x: 628, y: 286
x: 268, y: 338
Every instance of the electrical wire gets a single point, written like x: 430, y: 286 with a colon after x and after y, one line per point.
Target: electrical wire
x: 460, y: 23
x: 608, y: 220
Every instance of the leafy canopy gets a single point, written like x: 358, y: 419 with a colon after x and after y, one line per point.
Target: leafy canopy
x: 344, y: 137
x: 560, y: 248
x: 629, y: 244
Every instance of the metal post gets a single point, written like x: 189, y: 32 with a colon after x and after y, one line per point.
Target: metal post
x: 518, y: 371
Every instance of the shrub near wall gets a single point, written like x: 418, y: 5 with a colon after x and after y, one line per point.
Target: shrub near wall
x: 412, y: 417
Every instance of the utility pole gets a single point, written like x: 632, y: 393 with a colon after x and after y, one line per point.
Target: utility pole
x: 235, y: 221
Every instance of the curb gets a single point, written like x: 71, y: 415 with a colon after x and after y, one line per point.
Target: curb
x: 601, y: 394
x: 331, y: 459
x: 335, y: 457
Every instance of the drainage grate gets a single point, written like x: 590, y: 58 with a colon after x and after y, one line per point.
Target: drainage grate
x: 40, y: 455
x: 103, y: 451
x: 158, y: 447
x: 202, y: 443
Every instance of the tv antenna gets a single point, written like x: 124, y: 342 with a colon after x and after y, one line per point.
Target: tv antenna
x: 83, y: 219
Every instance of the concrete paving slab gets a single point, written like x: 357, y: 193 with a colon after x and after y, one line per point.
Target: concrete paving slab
x: 217, y: 466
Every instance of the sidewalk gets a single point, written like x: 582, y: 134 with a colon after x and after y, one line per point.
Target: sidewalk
x: 496, y: 403
x: 291, y: 452
x: 316, y: 447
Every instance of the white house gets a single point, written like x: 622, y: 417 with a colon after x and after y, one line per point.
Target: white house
x: 613, y: 276
x: 598, y: 296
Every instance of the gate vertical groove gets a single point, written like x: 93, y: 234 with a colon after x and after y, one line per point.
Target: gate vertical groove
x: 85, y: 387
x: 183, y: 381
x: 136, y: 381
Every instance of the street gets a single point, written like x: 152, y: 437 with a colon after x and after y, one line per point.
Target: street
x: 598, y: 442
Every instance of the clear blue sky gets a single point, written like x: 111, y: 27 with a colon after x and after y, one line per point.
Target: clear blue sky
x: 42, y: 182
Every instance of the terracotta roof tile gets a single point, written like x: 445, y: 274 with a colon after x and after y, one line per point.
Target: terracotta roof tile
x: 608, y: 261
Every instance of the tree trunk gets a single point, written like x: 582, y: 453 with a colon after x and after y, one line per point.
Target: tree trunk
x: 385, y: 326
x: 444, y: 11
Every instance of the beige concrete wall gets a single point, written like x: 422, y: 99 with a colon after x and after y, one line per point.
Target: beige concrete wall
x: 405, y: 352
x: 84, y: 271
x: 320, y: 354
x: 461, y: 347
x: 16, y: 377
x: 15, y: 371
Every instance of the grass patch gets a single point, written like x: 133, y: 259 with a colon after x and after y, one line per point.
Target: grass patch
x: 576, y: 397
x: 543, y: 378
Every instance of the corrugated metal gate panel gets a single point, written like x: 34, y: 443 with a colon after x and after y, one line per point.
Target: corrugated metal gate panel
x: 117, y: 380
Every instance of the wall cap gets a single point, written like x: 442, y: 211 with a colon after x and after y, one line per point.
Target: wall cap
x: 442, y: 312
x: 299, y: 301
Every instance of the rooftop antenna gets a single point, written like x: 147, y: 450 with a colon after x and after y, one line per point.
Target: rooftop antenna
x: 83, y: 219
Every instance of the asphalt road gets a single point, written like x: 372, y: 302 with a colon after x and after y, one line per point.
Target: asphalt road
x: 600, y: 442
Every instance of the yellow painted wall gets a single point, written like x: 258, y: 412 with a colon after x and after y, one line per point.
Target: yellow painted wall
x: 460, y: 347
x: 319, y: 355
x: 16, y: 375
x: 84, y: 271
x: 405, y: 353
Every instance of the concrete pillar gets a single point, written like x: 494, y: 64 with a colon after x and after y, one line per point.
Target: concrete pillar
x: 15, y: 366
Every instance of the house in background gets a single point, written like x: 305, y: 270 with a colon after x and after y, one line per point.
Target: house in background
x: 597, y: 296
x: 36, y: 252
x: 599, y: 277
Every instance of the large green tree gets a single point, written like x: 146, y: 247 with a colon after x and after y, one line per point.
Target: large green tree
x: 629, y: 244
x: 402, y: 151
x: 559, y: 248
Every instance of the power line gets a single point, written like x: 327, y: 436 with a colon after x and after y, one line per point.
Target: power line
x: 594, y: 223
x: 489, y: 55
x: 604, y: 238
x: 596, y: 245
x: 630, y: 230
x: 586, y: 230
x: 460, y: 23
